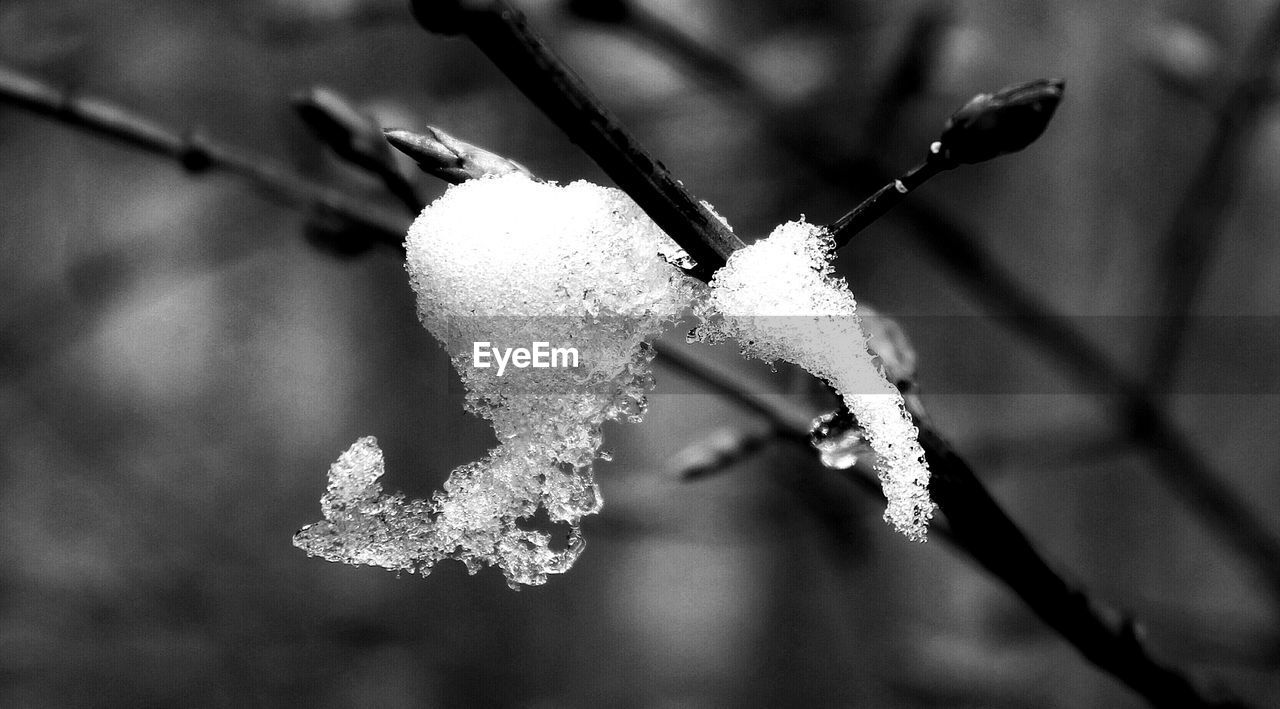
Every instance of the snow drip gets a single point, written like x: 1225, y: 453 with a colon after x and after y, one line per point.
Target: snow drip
x: 778, y: 298
x: 510, y: 261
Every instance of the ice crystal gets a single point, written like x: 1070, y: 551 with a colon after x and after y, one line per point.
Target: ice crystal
x: 779, y: 299
x: 838, y: 440
x: 512, y: 262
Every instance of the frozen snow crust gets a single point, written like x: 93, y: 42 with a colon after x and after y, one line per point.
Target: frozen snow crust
x: 779, y: 299
x: 512, y: 261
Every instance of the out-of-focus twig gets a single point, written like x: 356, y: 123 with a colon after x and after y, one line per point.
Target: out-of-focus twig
x: 909, y: 72
x: 194, y: 152
x: 1195, y: 230
x: 355, y: 136
x: 1177, y: 463
x: 788, y: 422
x: 718, y: 452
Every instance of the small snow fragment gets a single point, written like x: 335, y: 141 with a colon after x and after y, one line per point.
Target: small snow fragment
x: 779, y: 299
x: 517, y: 264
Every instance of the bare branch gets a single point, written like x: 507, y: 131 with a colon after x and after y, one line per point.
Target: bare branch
x: 1107, y: 639
x: 980, y: 527
x: 501, y: 33
x: 1177, y: 463
x: 194, y: 152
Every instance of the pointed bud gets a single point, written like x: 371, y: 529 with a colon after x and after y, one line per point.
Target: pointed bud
x: 448, y: 158
x: 1007, y: 121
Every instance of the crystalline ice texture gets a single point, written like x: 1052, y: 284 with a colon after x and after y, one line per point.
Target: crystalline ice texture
x: 778, y: 298
x: 513, y: 262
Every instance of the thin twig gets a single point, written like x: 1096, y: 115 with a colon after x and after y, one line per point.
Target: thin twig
x: 884, y: 199
x: 1176, y: 462
x: 356, y: 137
x: 194, y: 152
x: 1195, y: 231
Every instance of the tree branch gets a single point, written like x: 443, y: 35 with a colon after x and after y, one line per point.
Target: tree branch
x: 978, y: 526
x: 1108, y: 640
x: 356, y: 137
x: 992, y: 539
x: 989, y: 535
x: 195, y: 153
x: 502, y: 34
x: 1182, y: 468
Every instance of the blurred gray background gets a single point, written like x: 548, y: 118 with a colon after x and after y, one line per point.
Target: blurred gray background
x: 178, y: 368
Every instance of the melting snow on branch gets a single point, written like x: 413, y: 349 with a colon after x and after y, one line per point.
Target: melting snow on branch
x: 778, y: 298
x: 512, y: 262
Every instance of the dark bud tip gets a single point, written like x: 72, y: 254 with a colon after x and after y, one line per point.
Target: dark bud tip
x: 448, y: 17
x: 607, y: 11
x: 991, y: 125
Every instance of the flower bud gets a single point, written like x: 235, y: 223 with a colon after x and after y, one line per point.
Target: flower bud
x: 1007, y: 121
x: 449, y: 158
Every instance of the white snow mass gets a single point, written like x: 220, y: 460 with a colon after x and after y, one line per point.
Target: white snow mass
x: 508, y: 261
x: 778, y: 298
